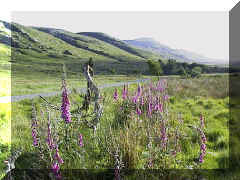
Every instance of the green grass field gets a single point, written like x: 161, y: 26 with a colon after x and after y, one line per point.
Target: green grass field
x: 188, y: 97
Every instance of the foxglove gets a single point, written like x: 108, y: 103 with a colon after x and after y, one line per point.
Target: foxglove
x: 65, y: 108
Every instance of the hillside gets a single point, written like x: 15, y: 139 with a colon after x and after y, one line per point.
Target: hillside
x: 43, y: 50
x: 168, y: 52
x: 122, y: 45
x: 5, y: 49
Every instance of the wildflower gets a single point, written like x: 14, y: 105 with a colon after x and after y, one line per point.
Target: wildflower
x: 139, y: 112
x: 135, y: 99
x: 121, y: 108
x: 142, y: 101
x: 139, y: 92
x: 58, y: 157
x: 80, y: 140
x: 115, y: 95
x: 202, y: 153
x: 149, y: 109
x: 34, y: 136
x: 160, y: 86
x: 203, y: 146
x: 55, y: 168
x: 124, y: 92
x: 65, y: 108
x: 165, y: 97
x: 158, y: 106
x: 49, y: 137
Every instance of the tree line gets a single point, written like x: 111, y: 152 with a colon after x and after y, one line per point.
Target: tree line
x: 172, y: 67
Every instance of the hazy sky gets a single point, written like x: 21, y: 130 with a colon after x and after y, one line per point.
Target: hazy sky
x: 205, y: 33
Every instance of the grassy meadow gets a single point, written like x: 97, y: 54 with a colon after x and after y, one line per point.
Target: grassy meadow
x: 123, y: 130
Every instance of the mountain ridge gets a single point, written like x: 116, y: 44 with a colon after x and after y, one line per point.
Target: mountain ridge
x: 167, y: 52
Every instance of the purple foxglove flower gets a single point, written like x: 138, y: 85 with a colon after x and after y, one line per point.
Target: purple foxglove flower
x: 149, y: 109
x: 58, y: 176
x: 158, y: 107
x: 124, y: 92
x: 34, y: 136
x: 65, y: 108
x: 121, y: 108
x: 135, y: 99
x: 163, y: 136
x: 203, y: 146
x: 49, y: 137
x: 165, y: 97
x: 142, y: 101
x: 115, y: 95
x: 80, y: 140
x: 58, y: 157
x: 55, y: 168
x: 139, y: 92
x: 139, y: 112
x: 202, y: 152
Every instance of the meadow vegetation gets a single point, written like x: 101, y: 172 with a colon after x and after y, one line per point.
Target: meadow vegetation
x: 132, y: 134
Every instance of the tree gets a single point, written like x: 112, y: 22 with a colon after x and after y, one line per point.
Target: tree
x: 155, y: 68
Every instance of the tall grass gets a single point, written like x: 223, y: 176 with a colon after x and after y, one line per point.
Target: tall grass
x: 136, y: 138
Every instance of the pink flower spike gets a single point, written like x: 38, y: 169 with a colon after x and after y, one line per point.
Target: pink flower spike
x: 58, y: 157
x: 135, y: 99
x: 166, y: 97
x: 158, y: 107
x: 115, y: 95
x: 139, y: 92
x: 65, y: 108
x: 139, y: 112
x: 55, y: 168
x: 80, y: 140
x: 142, y: 101
x: 124, y: 92
x: 149, y: 109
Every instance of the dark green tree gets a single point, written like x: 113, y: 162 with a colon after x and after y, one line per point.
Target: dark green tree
x: 155, y: 68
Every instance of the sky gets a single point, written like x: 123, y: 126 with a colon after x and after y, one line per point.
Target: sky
x: 205, y: 33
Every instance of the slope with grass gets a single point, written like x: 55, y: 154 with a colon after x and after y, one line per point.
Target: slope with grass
x: 42, y: 49
x: 122, y: 45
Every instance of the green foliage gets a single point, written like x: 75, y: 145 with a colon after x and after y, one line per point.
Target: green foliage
x: 155, y: 68
x: 185, y: 70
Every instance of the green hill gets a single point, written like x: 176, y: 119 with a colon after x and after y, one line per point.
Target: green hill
x: 43, y: 50
x: 120, y: 44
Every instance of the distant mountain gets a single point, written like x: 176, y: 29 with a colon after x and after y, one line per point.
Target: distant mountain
x: 168, y: 52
